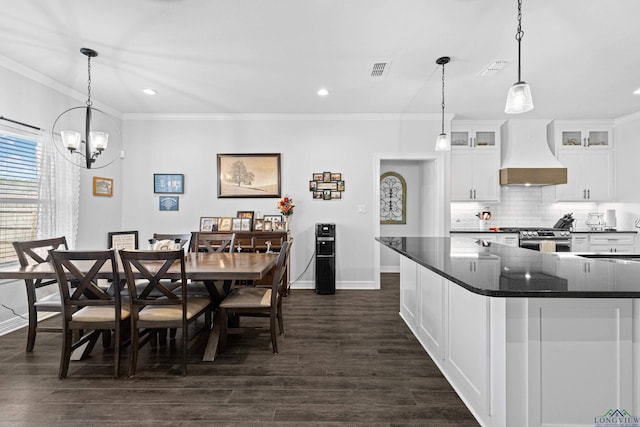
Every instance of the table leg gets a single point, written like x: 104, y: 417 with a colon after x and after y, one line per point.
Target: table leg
x: 214, y: 337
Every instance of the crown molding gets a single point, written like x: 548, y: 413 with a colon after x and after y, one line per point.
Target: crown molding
x: 40, y: 78
x: 283, y: 116
x: 627, y: 118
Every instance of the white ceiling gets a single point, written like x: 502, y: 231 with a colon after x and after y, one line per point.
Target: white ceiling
x: 581, y: 57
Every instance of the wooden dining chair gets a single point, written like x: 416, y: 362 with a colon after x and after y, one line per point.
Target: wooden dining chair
x: 87, y: 306
x: 35, y: 252
x: 185, y: 239
x: 256, y: 302
x: 205, y: 241
x: 173, y: 310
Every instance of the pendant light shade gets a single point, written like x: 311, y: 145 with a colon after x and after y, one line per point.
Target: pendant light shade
x: 442, y: 142
x: 519, y: 99
x: 85, y: 147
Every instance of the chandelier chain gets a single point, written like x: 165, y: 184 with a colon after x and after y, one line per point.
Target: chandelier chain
x: 89, y: 102
x: 519, y: 32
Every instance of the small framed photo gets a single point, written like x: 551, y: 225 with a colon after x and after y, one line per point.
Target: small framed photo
x: 312, y: 185
x: 169, y: 203
x: 258, y: 225
x: 168, y: 183
x: 236, y: 224
x: 326, y: 194
x: 267, y: 225
x: 102, y: 186
x: 123, y: 240
x: 326, y: 176
x: 273, y: 218
x: 206, y: 223
x: 317, y: 176
x: 245, y: 224
x: 245, y: 214
x: 278, y: 226
x: 224, y: 224
x: 327, y: 186
x: 317, y: 195
x: 340, y: 185
x: 336, y: 195
x: 336, y: 176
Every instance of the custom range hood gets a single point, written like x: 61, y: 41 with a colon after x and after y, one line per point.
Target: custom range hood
x: 526, y: 156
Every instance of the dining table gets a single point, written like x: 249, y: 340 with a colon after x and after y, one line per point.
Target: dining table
x: 206, y: 267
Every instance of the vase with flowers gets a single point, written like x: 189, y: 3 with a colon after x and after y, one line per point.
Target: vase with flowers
x: 285, y: 206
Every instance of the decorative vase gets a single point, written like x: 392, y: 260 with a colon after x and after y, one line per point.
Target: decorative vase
x: 286, y: 223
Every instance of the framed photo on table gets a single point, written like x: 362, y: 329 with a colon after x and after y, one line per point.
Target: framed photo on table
x: 273, y: 218
x: 236, y: 224
x: 258, y: 224
x: 225, y: 224
x: 168, y: 183
x: 122, y: 240
x: 249, y: 175
x: 207, y: 223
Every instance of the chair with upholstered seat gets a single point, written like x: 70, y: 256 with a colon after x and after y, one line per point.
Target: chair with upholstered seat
x: 87, y: 306
x: 35, y: 252
x: 256, y: 302
x: 173, y: 310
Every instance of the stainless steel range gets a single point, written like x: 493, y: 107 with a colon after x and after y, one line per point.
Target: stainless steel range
x: 534, y: 238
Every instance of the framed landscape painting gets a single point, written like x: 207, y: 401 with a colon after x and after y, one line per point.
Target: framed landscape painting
x: 249, y: 175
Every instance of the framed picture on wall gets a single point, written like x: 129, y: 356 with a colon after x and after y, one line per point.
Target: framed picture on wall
x: 169, y: 203
x: 102, y: 186
x: 168, y: 183
x: 249, y: 175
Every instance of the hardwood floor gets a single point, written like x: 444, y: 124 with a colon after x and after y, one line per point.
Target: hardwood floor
x: 346, y: 360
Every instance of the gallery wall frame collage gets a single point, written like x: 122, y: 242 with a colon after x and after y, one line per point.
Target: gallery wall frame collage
x: 326, y: 186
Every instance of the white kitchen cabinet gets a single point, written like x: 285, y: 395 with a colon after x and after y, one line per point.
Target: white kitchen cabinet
x: 475, y: 175
x: 589, y: 176
x: 576, y: 135
x: 475, y: 161
x: 611, y: 242
x: 509, y: 239
x: 580, y: 243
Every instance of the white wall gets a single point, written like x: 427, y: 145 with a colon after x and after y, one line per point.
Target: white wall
x: 308, y: 144
x: 29, y: 97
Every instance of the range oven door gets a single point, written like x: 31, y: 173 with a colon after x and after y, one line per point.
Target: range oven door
x: 561, y: 245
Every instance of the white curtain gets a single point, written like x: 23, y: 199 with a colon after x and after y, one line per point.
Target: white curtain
x: 59, y: 193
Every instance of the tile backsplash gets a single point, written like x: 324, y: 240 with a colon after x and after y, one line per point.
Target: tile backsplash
x: 524, y: 207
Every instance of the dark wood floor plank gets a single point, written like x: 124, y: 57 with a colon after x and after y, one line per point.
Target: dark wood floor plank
x: 347, y: 360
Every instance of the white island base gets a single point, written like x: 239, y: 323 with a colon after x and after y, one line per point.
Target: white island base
x: 519, y: 362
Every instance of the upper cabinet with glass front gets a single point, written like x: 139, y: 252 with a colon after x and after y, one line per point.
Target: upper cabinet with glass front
x: 583, y: 134
x: 475, y: 135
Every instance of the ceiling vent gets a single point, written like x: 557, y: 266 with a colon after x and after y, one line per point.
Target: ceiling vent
x: 493, y: 68
x: 380, y: 69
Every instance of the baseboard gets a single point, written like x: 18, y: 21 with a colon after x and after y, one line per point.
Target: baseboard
x: 390, y: 269
x: 18, y: 322
x: 344, y: 285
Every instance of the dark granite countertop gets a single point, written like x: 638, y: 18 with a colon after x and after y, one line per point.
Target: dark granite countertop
x: 515, y: 232
x: 496, y: 270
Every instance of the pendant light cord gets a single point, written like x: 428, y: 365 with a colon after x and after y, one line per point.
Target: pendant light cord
x: 443, y: 97
x: 519, y: 35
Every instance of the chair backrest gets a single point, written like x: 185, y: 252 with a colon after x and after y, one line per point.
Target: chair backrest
x: 36, y: 252
x: 153, y: 267
x: 275, y: 240
x: 213, y: 242
x: 185, y: 238
x: 278, y: 287
x: 82, y: 268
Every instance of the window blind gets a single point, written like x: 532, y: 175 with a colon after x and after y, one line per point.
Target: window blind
x: 20, y: 157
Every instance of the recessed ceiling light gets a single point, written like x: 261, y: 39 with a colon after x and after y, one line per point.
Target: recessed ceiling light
x: 149, y: 91
x: 636, y: 92
x: 323, y: 92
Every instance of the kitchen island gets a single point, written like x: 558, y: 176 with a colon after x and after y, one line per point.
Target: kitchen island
x: 526, y: 338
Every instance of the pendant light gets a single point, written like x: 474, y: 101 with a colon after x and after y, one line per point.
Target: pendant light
x: 84, y: 149
x: 442, y: 142
x: 519, y: 98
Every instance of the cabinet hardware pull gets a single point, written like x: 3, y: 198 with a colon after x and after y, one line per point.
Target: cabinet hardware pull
x: 588, y: 194
x: 474, y: 194
x: 471, y: 194
x: 584, y: 194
